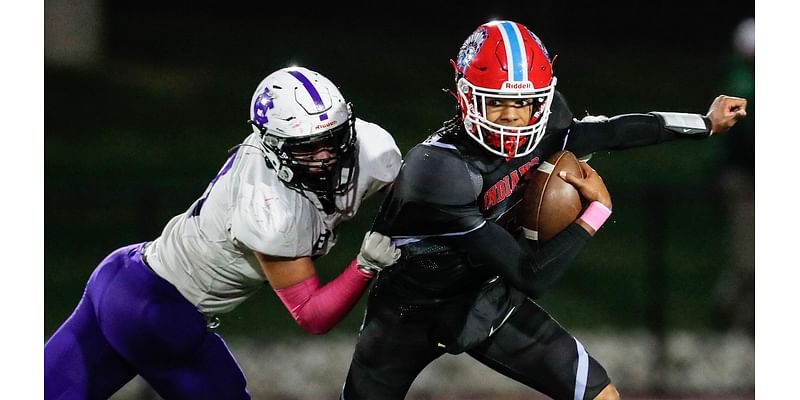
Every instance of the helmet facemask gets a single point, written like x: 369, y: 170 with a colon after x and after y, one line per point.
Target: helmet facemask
x: 322, y: 163
x: 502, y: 140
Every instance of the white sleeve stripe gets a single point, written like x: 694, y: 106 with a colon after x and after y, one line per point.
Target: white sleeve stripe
x: 582, y: 373
x: 442, y: 145
x: 683, y: 120
x: 404, y: 240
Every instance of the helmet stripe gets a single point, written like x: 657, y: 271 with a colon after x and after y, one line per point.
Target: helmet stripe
x: 515, y: 52
x: 312, y: 91
x: 516, y: 56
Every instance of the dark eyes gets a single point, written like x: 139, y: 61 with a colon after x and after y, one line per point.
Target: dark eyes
x: 519, y: 103
x: 523, y: 102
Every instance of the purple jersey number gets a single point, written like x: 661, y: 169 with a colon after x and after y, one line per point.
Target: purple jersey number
x: 199, y: 203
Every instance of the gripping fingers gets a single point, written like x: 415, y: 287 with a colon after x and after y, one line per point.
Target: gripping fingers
x: 576, y: 181
x: 588, y: 171
x: 377, y: 251
x: 571, y: 179
x: 738, y: 107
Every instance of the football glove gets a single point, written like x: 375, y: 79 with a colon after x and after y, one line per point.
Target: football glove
x: 377, y: 253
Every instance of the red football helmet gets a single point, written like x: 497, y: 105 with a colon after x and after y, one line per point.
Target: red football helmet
x: 504, y: 60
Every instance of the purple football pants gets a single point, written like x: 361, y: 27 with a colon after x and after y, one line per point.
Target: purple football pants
x: 128, y: 322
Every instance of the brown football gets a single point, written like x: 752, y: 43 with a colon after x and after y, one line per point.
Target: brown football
x: 550, y: 203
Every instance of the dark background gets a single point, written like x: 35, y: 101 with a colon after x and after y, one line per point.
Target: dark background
x: 134, y: 135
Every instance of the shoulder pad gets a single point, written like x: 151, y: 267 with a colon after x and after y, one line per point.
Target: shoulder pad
x: 378, y: 153
x: 436, y: 174
x: 274, y: 221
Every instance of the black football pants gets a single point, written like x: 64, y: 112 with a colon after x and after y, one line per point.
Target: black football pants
x: 396, y: 343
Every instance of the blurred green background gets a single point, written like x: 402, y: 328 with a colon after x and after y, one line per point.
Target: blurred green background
x: 143, y: 100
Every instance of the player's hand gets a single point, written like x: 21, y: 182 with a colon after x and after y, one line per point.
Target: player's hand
x: 724, y: 112
x: 377, y: 252
x: 591, y: 187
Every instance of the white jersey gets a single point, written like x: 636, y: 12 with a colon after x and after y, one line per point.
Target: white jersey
x: 207, y: 252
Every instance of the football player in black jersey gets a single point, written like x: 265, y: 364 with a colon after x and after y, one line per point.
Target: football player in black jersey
x: 466, y: 280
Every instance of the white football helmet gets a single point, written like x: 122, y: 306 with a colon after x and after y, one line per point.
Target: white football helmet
x: 307, y: 129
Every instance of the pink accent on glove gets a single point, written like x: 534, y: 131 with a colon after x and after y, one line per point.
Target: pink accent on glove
x: 596, y: 215
x: 317, y: 309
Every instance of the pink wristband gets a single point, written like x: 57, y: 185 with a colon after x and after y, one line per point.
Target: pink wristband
x: 595, y: 215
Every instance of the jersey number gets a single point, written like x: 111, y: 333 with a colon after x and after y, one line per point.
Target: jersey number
x: 199, y: 203
x: 322, y: 240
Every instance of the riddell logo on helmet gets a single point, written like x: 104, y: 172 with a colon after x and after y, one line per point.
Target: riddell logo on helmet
x: 517, y: 85
x: 325, y: 125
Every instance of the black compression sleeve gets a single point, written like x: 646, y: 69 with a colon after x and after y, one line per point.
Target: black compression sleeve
x: 622, y: 132
x: 532, y: 272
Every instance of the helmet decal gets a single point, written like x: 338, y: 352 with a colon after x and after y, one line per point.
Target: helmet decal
x: 471, y: 47
x: 539, y: 42
x: 262, y: 103
x: 312, y: 91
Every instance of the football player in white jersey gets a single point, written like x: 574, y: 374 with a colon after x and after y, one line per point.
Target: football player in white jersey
x: 148, y: 308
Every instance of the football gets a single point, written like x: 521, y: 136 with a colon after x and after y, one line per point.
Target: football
x: 550, y: 203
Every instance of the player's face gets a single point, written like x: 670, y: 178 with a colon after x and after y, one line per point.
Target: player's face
x: 509, y: 112
x: 317, y: 160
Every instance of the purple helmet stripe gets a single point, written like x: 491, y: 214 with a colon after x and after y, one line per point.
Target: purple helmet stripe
x: 312, y: 91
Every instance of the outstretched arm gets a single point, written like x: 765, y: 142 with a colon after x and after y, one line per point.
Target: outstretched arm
x: 316, y: 308
x: 595, y: 133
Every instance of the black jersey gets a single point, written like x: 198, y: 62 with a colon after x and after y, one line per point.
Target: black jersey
x: 453, y: 211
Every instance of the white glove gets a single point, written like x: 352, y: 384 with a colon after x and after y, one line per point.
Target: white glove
x: 377, y: 253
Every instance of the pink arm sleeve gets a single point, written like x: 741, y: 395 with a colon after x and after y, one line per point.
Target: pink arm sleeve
x: 317, y: 309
